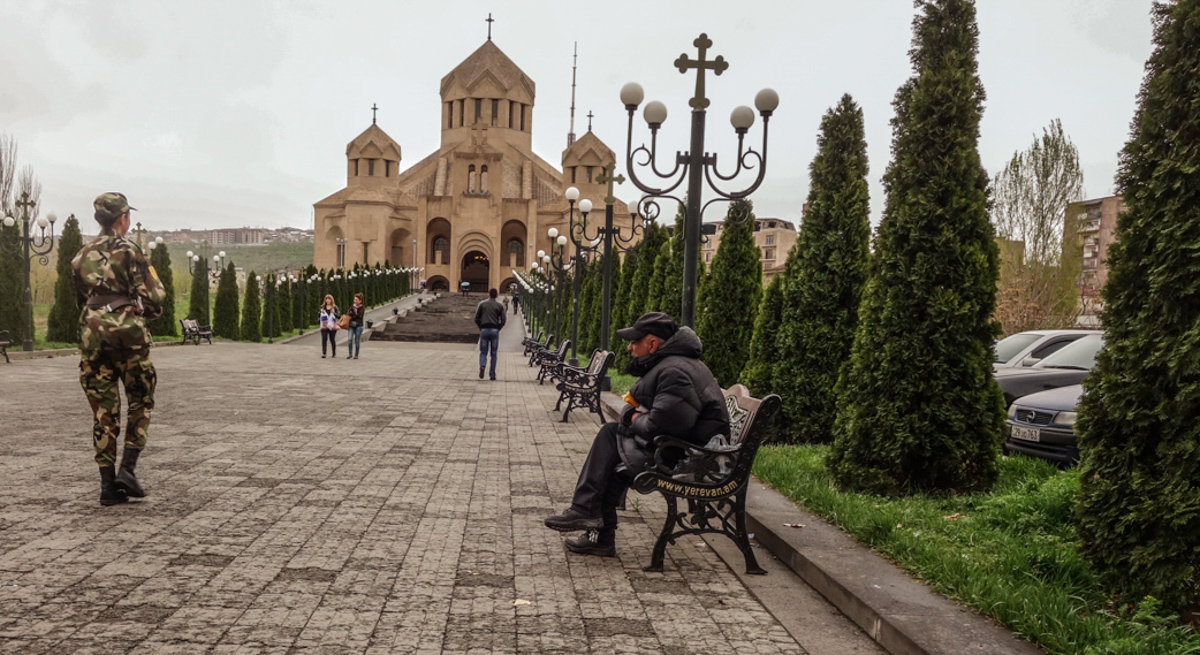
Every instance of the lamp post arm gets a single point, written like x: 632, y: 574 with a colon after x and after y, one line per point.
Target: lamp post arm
x: 747, y: 160
x: 648, y: 158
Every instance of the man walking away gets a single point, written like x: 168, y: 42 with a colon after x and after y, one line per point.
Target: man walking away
x: 489, y: 317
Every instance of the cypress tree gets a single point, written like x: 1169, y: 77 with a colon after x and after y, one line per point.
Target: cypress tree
x: 614, y: 342
x: 225, y: 307
x: 759, y: 372
x: 658, y: 279
x: 165, y: 324
x: 620, y: 311
x: 643, y: 273
x: 1139, y: 501
x: 727, y: 308
x: 251, y: 329
x: 824, y: 281
x: 283, y: 305
x: 12, y: 287
x: 589, y: 310
x: 63, y: 323
x: 199, y: 292
x: 670, y: 298
x: 918, y: 409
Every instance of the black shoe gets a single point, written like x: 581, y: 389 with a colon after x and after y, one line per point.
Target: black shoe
x: 591, y: 543
x: 480, y: 372
x: 126, y: 481
x: 322, y: 355
x: 109, y: 493
x: 571, y: 520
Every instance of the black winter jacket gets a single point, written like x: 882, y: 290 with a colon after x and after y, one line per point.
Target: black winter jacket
x: 683, y: 398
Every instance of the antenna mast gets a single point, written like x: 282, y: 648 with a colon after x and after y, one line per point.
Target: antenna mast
x: 574, y: 59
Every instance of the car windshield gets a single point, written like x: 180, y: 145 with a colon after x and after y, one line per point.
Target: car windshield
x: 1009, y: 346
x: 1080, y: 354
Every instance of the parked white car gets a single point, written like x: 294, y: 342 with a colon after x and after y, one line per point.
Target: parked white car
x: 1030, y: 347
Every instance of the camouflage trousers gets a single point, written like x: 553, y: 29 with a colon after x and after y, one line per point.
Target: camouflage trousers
x: 100, y: 373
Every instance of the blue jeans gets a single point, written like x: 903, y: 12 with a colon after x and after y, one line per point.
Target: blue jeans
x: 353, y: 341
x: 489, y: 340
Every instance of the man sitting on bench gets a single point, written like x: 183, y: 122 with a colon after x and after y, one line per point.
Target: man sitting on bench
x: 675, y: 395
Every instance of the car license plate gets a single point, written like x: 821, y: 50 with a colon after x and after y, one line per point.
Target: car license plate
x: 1026, y: 434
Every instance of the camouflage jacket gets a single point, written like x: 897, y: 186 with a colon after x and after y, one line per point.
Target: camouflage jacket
x: 115, y: 266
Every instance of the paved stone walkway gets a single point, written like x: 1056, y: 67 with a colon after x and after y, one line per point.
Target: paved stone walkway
x: 391, y: 504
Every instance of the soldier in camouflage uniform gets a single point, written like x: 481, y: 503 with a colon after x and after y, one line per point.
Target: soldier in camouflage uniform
x: 119, y: 290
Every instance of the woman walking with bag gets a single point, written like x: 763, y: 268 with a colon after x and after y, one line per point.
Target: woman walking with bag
x: 354, y: 326
x: 329, y: 325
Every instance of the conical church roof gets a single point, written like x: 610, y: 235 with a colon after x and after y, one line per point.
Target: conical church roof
x: 489, y: 59
x: 373, y: 143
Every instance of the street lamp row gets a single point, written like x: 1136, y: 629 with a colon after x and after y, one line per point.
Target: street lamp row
x: 31, y: 246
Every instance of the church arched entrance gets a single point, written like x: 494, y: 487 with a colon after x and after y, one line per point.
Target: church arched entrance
x: 475, y: 268
x: 438, y: 283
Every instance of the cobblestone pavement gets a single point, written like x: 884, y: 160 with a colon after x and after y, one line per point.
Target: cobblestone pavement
x: 391, y: 504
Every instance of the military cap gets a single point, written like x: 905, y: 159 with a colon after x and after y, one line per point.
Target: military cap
x: 111, y: 205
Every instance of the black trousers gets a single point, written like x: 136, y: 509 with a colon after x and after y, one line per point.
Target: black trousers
x: 330, y: 337
x: 600, y: 485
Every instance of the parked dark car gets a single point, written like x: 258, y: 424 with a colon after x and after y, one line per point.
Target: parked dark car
x: 1043, y: 425
x: 1032, y: 346
x: 1069, y: 365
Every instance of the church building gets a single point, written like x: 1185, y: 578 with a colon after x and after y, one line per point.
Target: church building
x: 477, y: 208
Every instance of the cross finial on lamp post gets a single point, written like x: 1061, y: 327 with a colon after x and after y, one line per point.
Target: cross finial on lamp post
x: 606, y: 177
x: 717, y: 66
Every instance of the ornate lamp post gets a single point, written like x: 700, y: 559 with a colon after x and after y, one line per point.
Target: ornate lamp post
x: 555, y: 261
x: 696, y: 166
x: 198, y: 265
x: 297, y: 289
x: 584, y: 245
x: 32, y: 245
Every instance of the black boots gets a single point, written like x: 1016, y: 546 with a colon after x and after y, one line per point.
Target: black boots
x: 126, y: 480
x: 110, y: 494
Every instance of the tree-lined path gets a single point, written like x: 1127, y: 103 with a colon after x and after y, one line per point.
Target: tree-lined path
x: 392, y: 504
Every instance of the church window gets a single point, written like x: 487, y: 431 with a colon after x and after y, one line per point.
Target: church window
x: 573, y: 169
x: 512, y: 113
x: 461, y: 112
x: 483, y: 188
x: 770, y: 239
x: 341, y: 255
x: 522, y: 117
x: 365, y: 260
x: 478, y: 109
x: 589, y: 169
x: 371, y: 167
x: 471, y: 178
x: 495, y: 112
x: 355, y: 167
x: 450, y: 114
x: 440, y: 245
x: 516, y: 253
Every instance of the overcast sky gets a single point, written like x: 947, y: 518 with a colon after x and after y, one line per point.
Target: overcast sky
x: 230, y: 113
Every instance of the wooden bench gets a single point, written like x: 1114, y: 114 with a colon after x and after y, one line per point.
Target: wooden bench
x: 712, y: 479
x: 580, y: 387
x: 549, y: 360
x: 5, y: 342
x: 193, y: 331
x: 539, y: 348
x: 532, y: 344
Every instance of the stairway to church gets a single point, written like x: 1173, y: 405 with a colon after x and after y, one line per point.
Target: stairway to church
x: 449, y: 319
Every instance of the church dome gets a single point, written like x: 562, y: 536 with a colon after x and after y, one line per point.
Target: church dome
x: 487, y: 72
x: 372, y: 154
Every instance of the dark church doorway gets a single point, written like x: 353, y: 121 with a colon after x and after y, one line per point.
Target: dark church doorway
x: 475, y: 267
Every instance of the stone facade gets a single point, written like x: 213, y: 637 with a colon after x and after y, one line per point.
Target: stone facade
x: 773, y: 236
x: 474, y: 210
x: 1094, y: 223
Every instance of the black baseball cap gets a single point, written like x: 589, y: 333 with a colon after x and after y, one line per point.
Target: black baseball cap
x: 657, y: 323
